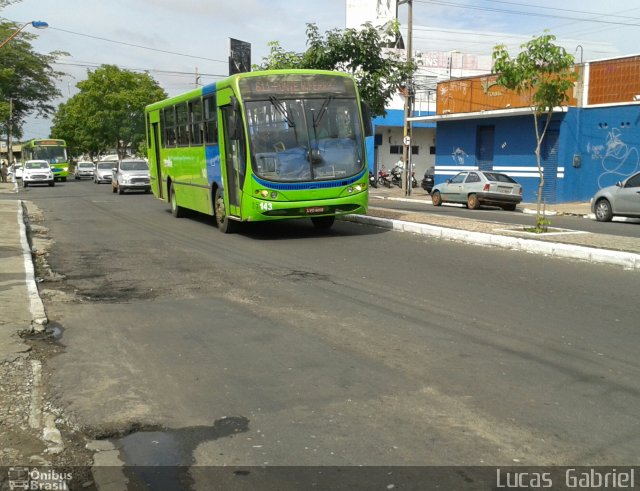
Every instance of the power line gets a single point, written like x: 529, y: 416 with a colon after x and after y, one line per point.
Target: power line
x: 137, y: 45
x: 528, y: 14
x: 565, y: 10
x: 154, y: 70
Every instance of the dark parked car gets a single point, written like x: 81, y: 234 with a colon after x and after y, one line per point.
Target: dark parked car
x: 475, y: 188
x: 428, y: 180
x: 622, y: 199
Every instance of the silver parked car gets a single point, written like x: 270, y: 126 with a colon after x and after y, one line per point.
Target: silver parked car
x: 622, y: 199
x: 103, y: 172
x: 131, y: 174
x: 475, y: 188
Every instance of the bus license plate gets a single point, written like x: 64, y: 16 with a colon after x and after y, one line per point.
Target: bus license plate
x: 315, y: 209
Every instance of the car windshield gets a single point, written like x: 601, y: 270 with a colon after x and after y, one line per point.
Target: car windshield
x: 497, y: 177
x: 105, y: 166
x: 37, y: 165
x: 134, y: 165
x: 87, y: 165
x: 305, y: 139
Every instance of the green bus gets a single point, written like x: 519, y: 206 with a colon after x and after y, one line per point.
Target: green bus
x: 259, y: 146
x: 53, y: 151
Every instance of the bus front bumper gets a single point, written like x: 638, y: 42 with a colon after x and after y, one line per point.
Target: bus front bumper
x: 262, y: 210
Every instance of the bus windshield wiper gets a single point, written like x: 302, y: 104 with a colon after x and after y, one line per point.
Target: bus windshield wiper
x: 322, y: 111
x: 277, y: 103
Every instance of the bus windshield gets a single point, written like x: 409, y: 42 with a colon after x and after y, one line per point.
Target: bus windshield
x: 52, y: 154
x: 305, y: 139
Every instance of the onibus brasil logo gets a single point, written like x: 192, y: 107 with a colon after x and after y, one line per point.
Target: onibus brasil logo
x: 24, y: 478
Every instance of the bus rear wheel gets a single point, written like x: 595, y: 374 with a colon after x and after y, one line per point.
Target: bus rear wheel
x: 176, y: 210
x: 323, y: 223
x: 225, y: 225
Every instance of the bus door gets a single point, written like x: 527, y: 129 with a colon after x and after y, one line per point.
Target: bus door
x: 156, y: 148
x: 234, y: 153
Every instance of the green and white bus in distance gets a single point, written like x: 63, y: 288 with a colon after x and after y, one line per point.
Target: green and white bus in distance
x: 258, y: 146
x: 51, y: 150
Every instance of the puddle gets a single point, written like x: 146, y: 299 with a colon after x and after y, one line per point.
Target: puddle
x: 55, y: 331
x: 160, y: 460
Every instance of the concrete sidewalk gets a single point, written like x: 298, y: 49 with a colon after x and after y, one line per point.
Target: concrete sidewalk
x: 585, y: 246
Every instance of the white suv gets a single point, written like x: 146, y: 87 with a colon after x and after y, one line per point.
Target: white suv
x: 37, y: 172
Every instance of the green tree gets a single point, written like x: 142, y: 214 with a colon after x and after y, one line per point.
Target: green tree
x: 27, y: 79
x: 542, y: 73
x: 108, y: 111
x: 379, y: 73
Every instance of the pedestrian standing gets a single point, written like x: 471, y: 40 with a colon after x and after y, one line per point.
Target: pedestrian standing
x: 5, y: 171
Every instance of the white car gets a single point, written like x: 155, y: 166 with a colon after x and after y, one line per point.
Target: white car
x: 84, y: 169
x: 131, y: 174
x: 103, y: 172
x: 37, y: 172
x: 16, y: 170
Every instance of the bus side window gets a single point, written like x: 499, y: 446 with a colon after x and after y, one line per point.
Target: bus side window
x: 182, y: 125
x: 210, y: 120
x: 195, y: 121
x: 170, y: 127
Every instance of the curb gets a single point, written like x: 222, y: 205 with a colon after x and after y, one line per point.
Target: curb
x: 627, y: 260
x: 38, y: 314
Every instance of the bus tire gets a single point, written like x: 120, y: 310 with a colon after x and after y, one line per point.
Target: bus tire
x: 176, y: 210
x: 225, y: 225
x: 323, y: 223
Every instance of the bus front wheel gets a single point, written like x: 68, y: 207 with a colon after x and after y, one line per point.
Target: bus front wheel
x: 323, y: 223
x: 225, y: 225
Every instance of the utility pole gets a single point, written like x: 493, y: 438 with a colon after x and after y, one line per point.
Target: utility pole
x: 197, y: 78
x: 10, y: 133
x: 408, y: 103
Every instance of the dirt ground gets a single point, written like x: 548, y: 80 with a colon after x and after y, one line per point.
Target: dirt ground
x: 34, y: 430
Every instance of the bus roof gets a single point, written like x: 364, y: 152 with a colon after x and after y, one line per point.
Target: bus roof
x: 233, y: 80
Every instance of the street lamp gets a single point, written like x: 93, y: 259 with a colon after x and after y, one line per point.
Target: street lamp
x: 38, y: 24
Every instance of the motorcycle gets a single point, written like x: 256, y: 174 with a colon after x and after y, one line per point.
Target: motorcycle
x: 396, y: 175
x: 373, y: 181
x: 384, y: 177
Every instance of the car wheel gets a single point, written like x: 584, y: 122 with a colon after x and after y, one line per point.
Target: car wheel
x: 472, y: 202
x: 323, y: 223
x: 52, y: 183
x: 120, y: 190
x: 24, y: 184
x: 176, y: 210
x: 225, y: 225
x: 113, y: 189
x: 509, y: 207
x: 436, y: 199
x: 603, y: 211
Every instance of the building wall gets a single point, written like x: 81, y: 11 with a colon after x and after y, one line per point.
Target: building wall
x: 596, y: 148
x: 390, y: 131
x: 616, y: 80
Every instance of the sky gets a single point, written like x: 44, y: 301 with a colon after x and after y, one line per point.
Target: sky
x: 172, y: 39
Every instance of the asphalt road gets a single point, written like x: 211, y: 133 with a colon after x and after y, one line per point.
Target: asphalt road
x: 347, y: 347
x: 627, y: 228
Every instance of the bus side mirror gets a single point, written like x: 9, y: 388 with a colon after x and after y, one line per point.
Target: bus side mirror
x: 366, y: 118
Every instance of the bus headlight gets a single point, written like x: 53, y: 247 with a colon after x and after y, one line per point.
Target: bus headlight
x: 265, y: 193
x: 65, y: 169
x: 358, y: 188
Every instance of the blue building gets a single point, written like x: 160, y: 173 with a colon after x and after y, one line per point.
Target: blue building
x: 591, y: 143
